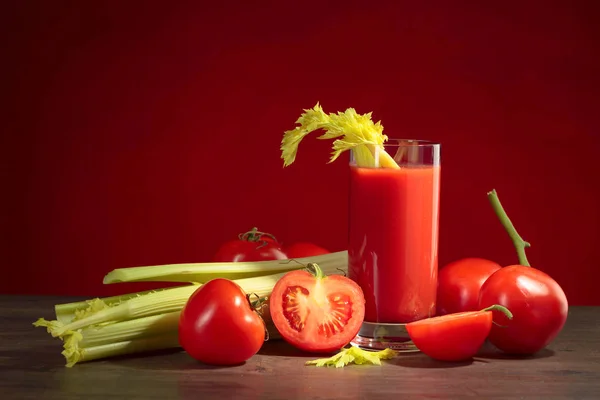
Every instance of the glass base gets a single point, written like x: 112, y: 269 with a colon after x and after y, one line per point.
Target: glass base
x: 378, y: 336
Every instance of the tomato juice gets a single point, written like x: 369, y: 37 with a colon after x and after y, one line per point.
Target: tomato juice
x: 393, y: 240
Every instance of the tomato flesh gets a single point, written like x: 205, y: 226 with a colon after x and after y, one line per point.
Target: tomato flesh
x: 294, y: 306
x: 317, y: 314
x: 296, y: 310
x: 452, y: 337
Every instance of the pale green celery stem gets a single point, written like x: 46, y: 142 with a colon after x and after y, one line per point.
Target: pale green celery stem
x: 381, y: 158
x: 203, y: 272
x: 66, y: 312
x: 152, y: 343
x: 130, y: 329
x: 166, y: 301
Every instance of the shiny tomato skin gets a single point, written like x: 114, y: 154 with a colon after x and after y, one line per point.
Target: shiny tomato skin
x: 304, y: 249
x: 217, y: 326
x: 459, y: 283
x: 243, y: 250
x: 537, y: 302
x: 317, y: 315
x: 452, y: 337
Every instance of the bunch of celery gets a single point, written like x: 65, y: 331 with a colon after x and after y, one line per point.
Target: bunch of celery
x: 146, y: 321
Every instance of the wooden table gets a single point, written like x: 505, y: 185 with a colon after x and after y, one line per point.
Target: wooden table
x: 31, y: 367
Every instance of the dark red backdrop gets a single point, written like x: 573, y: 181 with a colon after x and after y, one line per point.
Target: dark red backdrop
x: 140, y: 134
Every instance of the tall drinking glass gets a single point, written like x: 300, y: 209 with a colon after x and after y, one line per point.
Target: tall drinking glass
x: 393, y: 241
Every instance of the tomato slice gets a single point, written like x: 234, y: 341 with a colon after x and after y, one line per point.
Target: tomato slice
x: 317, y: 313
x: 451, y: 337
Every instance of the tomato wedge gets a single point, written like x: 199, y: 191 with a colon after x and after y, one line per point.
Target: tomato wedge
x: 317, y: 313
x: 453, y: 337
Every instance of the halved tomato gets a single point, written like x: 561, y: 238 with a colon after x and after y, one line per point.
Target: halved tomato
x: 317, y: 313
x: 453, y: 337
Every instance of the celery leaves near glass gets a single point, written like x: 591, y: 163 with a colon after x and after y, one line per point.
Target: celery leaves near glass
x: 352, y: 130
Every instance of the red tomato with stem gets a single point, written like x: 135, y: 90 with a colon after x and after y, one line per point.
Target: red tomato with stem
x: 253, y: 245
x: 453, y: 337
x: 304, y: 249
x: 218, y: 326
x: 537, y: 301
x: 317, y: 313
x: 459, y: 283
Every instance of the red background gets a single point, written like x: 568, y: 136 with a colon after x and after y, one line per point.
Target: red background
x: 138, y: 134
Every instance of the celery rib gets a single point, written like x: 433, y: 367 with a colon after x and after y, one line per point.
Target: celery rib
x: 130, y: 329
x: 66, y: 312
x: 153, y: 303
x: 203, y: 272
x: 152, y: 343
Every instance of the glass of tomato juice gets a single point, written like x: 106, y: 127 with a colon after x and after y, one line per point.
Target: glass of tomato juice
x: 393, y: 240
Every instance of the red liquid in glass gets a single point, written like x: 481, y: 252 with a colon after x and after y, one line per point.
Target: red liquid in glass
x: 393, y: 240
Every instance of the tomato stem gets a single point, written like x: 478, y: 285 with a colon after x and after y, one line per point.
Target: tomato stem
x: 257, y: 306
x: 517, y: 240
x: 498, y: 307
x: 254, y: 235
x: 258, y: 302
x: 314, y: 269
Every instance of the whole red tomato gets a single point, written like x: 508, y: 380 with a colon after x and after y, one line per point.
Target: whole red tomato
x: 537, y: 301
x: 304, y: 249
x: 317, y: 313
x: 538, y: 304
x: 459, y: 283
x: 250, y: 246
x: 218, y: 326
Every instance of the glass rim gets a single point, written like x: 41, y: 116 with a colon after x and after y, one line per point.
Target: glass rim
x: 411, y: 142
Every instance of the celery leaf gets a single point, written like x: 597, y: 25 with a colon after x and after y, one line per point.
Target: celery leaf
x: 354, y: 355
x: 351, y: 131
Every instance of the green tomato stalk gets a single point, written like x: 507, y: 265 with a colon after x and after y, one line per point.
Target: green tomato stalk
x: 502, y: 309
x: 254, y: 235
x: 315, y: 270
x: 518, y: 242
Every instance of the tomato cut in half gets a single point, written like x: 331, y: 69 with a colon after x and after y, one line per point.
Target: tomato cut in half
x: 317, y: 313
x: 453, y: 337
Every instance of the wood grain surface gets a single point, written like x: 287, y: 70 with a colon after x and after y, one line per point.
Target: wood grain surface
x: 32, y: 367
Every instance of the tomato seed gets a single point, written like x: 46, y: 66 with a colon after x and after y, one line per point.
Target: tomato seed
x: 293, y: 309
